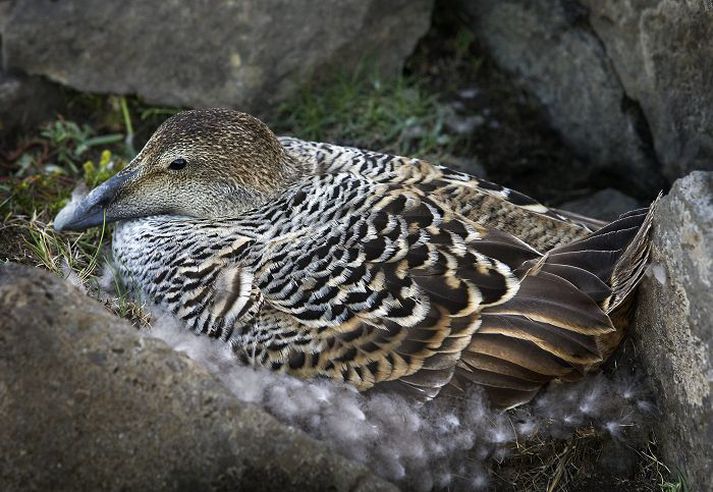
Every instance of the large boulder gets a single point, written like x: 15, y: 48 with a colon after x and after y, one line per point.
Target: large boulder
x: 249, y: 53
x: 662, y: 53
x: 86, y: 403
x: 544, y: 45
x: 674, y: 326
x: 625, y: 83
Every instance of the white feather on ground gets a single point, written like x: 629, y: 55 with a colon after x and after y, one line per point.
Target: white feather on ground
x: 72, y: 277
x: 445, y: 443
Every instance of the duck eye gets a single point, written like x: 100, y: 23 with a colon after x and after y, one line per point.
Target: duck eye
x: 178, y: 164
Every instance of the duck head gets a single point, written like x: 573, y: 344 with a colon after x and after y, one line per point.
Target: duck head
x: 204, y: 163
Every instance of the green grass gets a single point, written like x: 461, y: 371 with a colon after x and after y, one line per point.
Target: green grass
x: 79, y: 253
x: 38, y: 178
x: 397, y: 116
x: 677, y: 485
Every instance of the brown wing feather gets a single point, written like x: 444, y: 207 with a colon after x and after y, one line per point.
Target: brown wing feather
x: 481, y: 201
x: 396, y: 297
x: 561, y: 322
x: 405, y: 292
x: 547, y: 298
x: 590, y: 223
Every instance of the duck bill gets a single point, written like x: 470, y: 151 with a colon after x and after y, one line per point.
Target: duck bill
x: 93, y: 210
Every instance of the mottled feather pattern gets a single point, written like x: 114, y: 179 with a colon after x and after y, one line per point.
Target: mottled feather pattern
x: 393, y: 273
x: 479, y: 200
x: 372, y: 284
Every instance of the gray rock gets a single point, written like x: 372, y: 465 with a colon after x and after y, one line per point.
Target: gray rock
x: 88, y: 404
x: 607, y: 204
x: 25, y: 102
x: 251, y: 54
x: 674, y: 326
x: 662, y: 53
x: 548, y: 46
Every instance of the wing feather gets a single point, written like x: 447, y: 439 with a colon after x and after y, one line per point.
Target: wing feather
x: 396, y: 295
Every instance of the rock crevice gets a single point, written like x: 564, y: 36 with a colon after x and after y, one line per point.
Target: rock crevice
x: 626, y: 84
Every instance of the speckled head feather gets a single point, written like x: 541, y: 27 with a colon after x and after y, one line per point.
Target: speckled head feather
x: 222, y: 145
x: 233, y: 162
x: 376, y: 270
x: 201, y: 163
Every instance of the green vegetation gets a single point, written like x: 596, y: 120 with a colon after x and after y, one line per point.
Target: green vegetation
x: 38, y: 178
x: 71, y: 142
x: 399, y: 116
x: 677, y: 485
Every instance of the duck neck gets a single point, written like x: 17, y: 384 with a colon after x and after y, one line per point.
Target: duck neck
x: 293, y: 169
x: 238, y: 197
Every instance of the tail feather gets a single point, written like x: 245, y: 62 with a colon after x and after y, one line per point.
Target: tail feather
x: 569, y: 314
x: 632, y: 265
x: 584, y: 280
x: 616, y: 254
x: 599, y: 252
x: 570, y: 346
x: 548, y: 298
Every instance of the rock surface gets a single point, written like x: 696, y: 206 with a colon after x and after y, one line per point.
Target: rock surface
x: 88, y: 404
x: 26, y: 101
x: 626, y: 83
x: 607, y: 204
x: 661, y: 51
x: 567, y: 69
x: 251, y: 54
x: 674, y: 326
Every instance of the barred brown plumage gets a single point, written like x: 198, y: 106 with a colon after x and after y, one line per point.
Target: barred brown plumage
x: 381, y: 271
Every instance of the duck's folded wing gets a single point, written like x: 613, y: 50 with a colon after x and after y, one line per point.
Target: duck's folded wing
x: 477, y: 199
x: 393, y: 293
x: 407, y: 293
x: 589, y: 222
x: 560, y: 322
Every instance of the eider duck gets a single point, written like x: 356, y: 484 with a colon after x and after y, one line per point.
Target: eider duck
x: 375, y: 270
